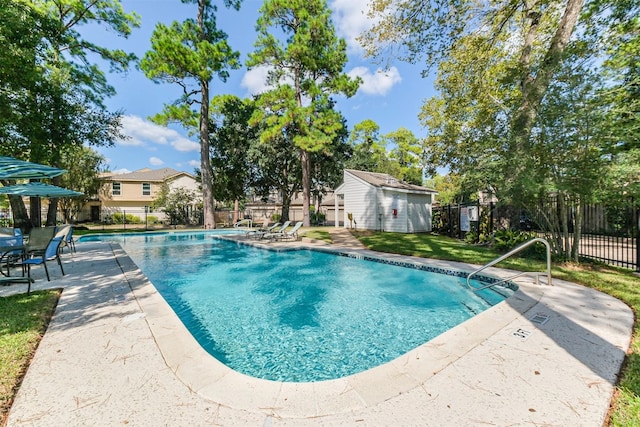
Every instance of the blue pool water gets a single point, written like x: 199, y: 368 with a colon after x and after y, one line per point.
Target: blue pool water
x: 299, y: 315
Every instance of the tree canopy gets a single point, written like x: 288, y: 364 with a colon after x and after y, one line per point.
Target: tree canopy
x: 191, y: 54
x: 305, y: 61
x: 51, y: 93
x: 536, y: 99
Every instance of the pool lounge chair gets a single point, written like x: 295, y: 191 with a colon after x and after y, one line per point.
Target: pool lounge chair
x: 259, y: 234
x: 291, y: 234
x: 39, y: 238
x: 262, y: 227
x: 279, y: 231
x: 66, y: 231
x: 50, y: 253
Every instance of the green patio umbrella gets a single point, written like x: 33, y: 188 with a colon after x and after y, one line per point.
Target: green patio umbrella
x: 38, y: 189
x: 11, y: 168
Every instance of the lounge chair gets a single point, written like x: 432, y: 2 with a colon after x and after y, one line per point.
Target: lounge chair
x: 51, y: 252
x: 243, y: 223
x: 260, y: 234
x: 273, y: 233
x: 291, y: 234
x: 66, y: 231
x: 39, y: 238
x: 263, y: 227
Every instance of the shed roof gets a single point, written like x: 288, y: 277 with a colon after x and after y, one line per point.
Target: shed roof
x: 383, y: 180
x: 147, y: 175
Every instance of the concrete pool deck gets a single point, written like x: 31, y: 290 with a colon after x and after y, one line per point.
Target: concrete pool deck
x: 116, y: 354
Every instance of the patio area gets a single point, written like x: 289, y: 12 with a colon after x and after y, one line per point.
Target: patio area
x: 116, y: 354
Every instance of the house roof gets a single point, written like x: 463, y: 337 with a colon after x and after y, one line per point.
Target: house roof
x: 146, y: 175
x: 383, y: 180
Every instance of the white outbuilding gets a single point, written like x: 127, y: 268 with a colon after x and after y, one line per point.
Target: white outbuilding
x: 378, y: 201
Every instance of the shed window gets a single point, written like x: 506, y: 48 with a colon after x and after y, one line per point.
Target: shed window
x: 146, y: 189
x: 115, y: 188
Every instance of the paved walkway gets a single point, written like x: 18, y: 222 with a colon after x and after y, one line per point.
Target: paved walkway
x: 115, y: 354
x: 343, y: 238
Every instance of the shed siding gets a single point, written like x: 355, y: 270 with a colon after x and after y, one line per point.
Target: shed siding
x: 391, y: 200
x: 372, y: 206
x: 359, y: 200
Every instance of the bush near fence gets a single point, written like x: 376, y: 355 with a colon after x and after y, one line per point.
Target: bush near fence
x: 612, y: 229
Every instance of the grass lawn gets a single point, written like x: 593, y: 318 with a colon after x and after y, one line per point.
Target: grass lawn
x: 317, y: 233
x: 23, y: 320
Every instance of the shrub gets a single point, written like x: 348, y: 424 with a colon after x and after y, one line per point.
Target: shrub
x: 317, y: 218
x: 505, y: 240
x: 471, y: 237
x: 129, y: 219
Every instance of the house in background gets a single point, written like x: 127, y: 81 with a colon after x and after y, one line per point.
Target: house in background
x: 133, y: 193
x: 378, y: 201
x: 258, y: 209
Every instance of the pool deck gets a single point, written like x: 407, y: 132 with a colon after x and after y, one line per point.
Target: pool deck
x: 116, y: 354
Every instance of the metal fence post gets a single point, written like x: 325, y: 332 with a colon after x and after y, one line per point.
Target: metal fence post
x: 638, y: 239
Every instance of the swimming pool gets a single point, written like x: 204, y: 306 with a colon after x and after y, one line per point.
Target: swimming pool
x: 299, y: 315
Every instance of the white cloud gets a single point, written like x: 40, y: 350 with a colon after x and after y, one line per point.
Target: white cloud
x: 255, y: 80
x: 142, y: 133
x: 184, y: 144
x: 194, y: 163
x: 121, y: 171
x: 378, y: 83
x: 155, y: 161
x: 350, y: 19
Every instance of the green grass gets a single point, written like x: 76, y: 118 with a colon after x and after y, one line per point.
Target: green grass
x: 318, y: 234
x: 620, y: 283
x: 23, y: 320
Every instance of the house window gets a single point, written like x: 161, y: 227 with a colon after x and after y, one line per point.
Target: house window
x: 146, y: 189
x: 115, y: 188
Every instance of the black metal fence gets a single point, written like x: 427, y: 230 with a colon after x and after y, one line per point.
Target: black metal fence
x: 609, y: 233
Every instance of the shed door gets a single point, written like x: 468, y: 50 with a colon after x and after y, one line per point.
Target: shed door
x: 419, y: 216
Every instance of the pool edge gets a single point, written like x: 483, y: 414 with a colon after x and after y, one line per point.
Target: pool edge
x: 214, y: 381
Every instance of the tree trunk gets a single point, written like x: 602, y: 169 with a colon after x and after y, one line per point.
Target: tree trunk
x: 534, y: 89
x: 305, y: 158
x: 236, y: 211
x: 20, y: 217
x: 52, y: 212
x: 564, y: 221
x: 577, y: 230
x: 286, y: 205
x: 208, y: 206
x: 205, y: 161
x: 34, y: 211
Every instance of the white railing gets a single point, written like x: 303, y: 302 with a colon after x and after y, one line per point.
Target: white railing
x: 507, y: 255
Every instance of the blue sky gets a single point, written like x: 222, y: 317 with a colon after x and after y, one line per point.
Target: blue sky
x: 392, y: 97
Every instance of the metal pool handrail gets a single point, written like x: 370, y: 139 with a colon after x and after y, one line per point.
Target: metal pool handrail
x: 507, y: 255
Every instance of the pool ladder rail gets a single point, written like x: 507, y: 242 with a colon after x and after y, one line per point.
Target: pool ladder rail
x: 507, y: 255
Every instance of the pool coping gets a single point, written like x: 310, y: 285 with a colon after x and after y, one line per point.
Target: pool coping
x: 213, y: 380
x: 116, y: 352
